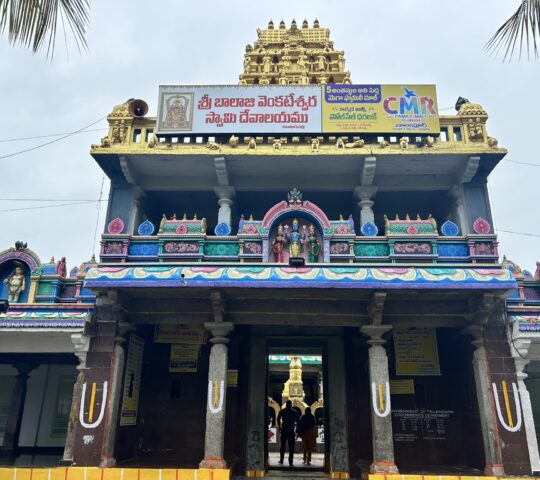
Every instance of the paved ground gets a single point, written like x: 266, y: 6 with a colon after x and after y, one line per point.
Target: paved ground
x: 317, y: 462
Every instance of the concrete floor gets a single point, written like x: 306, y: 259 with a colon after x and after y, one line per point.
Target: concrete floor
x: 317, y: 461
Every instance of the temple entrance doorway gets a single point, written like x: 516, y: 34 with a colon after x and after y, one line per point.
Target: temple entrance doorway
x: 296, y: 375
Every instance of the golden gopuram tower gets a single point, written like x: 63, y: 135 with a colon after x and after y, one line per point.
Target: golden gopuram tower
x: 287, y: 56
x: 294, y: 387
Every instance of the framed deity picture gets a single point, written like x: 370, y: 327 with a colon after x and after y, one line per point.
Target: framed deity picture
x: 176, y: 111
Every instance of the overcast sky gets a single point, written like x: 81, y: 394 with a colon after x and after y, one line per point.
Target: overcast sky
x: 135, y: 45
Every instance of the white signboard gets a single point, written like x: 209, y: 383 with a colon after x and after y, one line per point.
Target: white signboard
x: 239, y: 109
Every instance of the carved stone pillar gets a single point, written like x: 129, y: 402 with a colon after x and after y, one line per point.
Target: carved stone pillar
x: 459, y: 204
x: 94, y: 430
x: 81, y: 342
x: 381, y: 412
x: 256, y: 414
x: 225, y: 212
x: 135, y: 212
x: 225, y: 200
x: 490, y: 437
x: 337, y: 422
x: 116, y: 388
x: 16, y: 409
x: 214, y: 439
x: 520, y: 349
x: 365, y: 195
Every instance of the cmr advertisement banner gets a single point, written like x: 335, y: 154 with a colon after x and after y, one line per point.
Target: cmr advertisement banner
x: 294, y: 109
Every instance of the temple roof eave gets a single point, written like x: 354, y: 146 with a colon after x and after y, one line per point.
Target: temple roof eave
x: 284, y: 277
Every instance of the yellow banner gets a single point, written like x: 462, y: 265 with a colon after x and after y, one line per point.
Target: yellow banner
x: 402, y: 387
x: 416, y: 351
x: 232, y: 378
x: 184, y: 358
x: 175, y: 333
x: 132, y: 381
x: 398, y: 109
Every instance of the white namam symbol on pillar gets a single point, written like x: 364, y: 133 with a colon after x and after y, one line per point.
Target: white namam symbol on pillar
x: 510, y: 425
x: 380, y: 401
x: 215, y: 396
x: 91, y: 423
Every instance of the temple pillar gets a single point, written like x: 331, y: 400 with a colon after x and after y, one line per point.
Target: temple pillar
x: 490, y: 435
x: 365, y: 204
x: 225, y: 200
x: 214, y: 440
x: 116, y: 389
x: 519, y: 352
x: 135, y: 212
x: 256, y: 414
x: 381, y: 414
x: 337, y: 422
x: 10, y: 446
x: 95, y: 415
x: 459, y: 206
x: 81, y: 343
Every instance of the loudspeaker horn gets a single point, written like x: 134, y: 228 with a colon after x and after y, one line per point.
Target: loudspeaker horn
x: 137, y: 107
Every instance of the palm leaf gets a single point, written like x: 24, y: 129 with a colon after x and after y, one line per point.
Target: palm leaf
x: 521, y: 31
x: 33, y: 23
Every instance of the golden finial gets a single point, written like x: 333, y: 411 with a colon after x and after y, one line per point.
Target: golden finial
x: 194, y: 216
x: 173, y: 216
x: 407, y: 217
x: 340, y: 217
x: 250, y: 217
x: 185, y: 216
x: 270, y: 25
x: 282, y: 25
x: 418, y: 216
x: 316, y: 24
x: 305, y: 24
x: 397, y: 216
x: 293, y: 24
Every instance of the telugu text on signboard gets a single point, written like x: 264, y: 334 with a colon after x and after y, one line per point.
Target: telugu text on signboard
x: 416, y: 351
x: 280, y: 109
x: 132, y: 381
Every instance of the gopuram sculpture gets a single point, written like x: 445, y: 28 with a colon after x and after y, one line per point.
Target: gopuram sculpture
x: 313, y: 245
x: 295, y: 239
x: 16, y: 284
x: 279, y: 244
x: 293, y: 56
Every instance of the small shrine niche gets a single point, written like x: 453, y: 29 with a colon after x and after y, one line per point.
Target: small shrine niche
x: 295, y: 237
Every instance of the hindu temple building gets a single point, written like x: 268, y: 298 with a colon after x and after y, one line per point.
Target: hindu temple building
x: 295, y: 236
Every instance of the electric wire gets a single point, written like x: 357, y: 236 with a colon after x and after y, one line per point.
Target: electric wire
x: 521, y: 163
x: 48, y: 206
x: 50, y: 200
x: 52, y: 135
x: 98, y: 212
x: 519, y: 233
x: 52, y: 141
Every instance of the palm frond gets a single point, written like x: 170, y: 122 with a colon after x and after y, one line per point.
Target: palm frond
x: 521, y: 31
x: 33, y: 23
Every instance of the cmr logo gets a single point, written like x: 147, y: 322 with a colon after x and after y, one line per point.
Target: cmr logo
x: 409, y: 104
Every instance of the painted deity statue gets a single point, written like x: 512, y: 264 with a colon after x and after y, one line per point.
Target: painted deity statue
x: 16, y: 284
x: 278, y: 245
x: 61, y: 267
x: 176, y: 114
x: 313, y: 245
x: 295, y: 239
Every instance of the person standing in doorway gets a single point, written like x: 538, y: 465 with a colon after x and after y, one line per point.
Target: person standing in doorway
x: 287, y: 420
x: 306, y: 430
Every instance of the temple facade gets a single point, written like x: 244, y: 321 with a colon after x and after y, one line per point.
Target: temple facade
x: 298, y: 237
